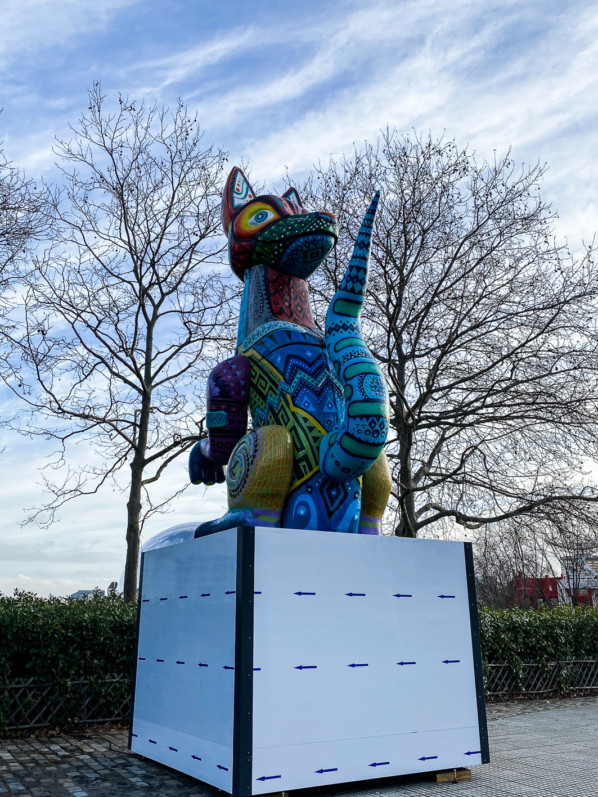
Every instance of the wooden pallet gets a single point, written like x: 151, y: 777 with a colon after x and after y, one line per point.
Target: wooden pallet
x: 452, y: 775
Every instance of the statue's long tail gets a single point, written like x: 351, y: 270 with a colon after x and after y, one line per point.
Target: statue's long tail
x: 350, y: 450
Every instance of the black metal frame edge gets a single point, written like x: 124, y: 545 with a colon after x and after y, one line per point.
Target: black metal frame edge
x: 477, y: 652
x: 243, y: 696
x: 134, y: 678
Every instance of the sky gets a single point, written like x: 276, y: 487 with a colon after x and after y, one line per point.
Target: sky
x: 282, y: 86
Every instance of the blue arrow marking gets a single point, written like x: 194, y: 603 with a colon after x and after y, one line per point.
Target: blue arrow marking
x: 380, y: 764
x: 205, y: 595
x: 201, y: 664
x: 145, y: 600
x: 135, y: 734
x: 357, y: 665
x: 230, y: 592
x: 151, y: 741
x: 427, y: 757
x: 142, y: 658
x: 355, y: 594
x: 473, y: 752
x: 174, y: 749
x: 305, y: 593
x: 163, y: 599
x: 257, y: 593
x: 180, y: 662
x: 196, y: 757
x: 269, y: 777
x: 221, y: 767
x: 451, y: 661
x: 307, y: 667
x: 403, y: 663
x: 181, y: 597
x: 257, y: 669
x: 321, y: 771
x: 446, y: 596
x: 161, y: 660
x: 401, y: 595
x: 226, y: 667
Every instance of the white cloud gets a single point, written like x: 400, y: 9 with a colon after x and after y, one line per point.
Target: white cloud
x: 86, y: 547
x: 186, y: 64
x: 32, y: 25
x: 540, y: 100
x: 494, y: 74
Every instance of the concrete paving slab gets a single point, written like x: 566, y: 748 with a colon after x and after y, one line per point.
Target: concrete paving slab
x: 537, y: 748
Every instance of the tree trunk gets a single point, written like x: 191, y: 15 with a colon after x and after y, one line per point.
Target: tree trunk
x: 134, y: 502
x: 133, y: 532
x: 407, y: 526
x: 408, y: 523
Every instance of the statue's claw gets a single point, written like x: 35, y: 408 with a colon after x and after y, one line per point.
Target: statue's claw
x: 201, y: 469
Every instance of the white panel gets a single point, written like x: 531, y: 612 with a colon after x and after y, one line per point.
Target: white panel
x: 183, y: 714
x: 312, y: 709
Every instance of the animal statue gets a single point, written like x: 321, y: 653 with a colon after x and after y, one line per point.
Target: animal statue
x: 314, y: 458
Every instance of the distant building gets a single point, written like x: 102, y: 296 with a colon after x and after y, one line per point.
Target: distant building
x: 580, y: 579
x: 584, y: 582
x: 526, y: 591
x: 88, y: 593
x: 579, y: 585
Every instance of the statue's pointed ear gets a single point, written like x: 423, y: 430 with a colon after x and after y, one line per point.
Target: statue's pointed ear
x: 238, y: 192
x: 293, y: 196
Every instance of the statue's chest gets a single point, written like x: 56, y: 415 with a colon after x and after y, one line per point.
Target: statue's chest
x: 293, y: 382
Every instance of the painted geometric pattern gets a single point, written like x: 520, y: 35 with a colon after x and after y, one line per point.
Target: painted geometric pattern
x: 321, y: 393
x: 265, y: 329
x: 259, y: 470
x: 289, y: 298
x: 361, y: 438
x: 289, y: 390
x: 304, y: 429
x: 242, y: 192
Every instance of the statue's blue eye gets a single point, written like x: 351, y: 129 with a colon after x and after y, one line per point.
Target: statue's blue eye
x: 261, y: 217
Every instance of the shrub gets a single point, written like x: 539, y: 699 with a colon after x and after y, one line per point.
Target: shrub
x: 59, y: 640
x: 515, y: 636
x: 546, y: 637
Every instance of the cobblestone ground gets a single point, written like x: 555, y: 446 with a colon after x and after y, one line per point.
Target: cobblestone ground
x: 538, y: 748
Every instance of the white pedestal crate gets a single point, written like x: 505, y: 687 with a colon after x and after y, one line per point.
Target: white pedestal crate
x: 277, y: 659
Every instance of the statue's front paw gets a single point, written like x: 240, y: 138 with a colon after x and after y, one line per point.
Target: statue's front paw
x: 201, y: 468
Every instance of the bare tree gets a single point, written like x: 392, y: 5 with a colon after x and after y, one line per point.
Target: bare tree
x: 508, y: 557
x: 25, y: 217
x: 486, y: 328
x: 124, y: 314
x: 572, y: 535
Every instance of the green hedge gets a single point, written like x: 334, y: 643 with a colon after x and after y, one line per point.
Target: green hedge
x: 63, y: 638
x: 60, y: 640
x: 516, y: 636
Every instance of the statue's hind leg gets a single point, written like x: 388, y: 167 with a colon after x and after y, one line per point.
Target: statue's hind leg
x: 258, y: 478
x: 375, y: 491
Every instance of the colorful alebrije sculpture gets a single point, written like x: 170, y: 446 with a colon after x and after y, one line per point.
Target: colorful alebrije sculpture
x: 314, y: 458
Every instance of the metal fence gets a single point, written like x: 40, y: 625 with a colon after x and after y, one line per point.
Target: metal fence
x: 505, y: 680
x: 27, y: 704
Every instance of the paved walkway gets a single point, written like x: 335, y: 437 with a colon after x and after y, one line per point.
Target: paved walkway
x: 538, y: 749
